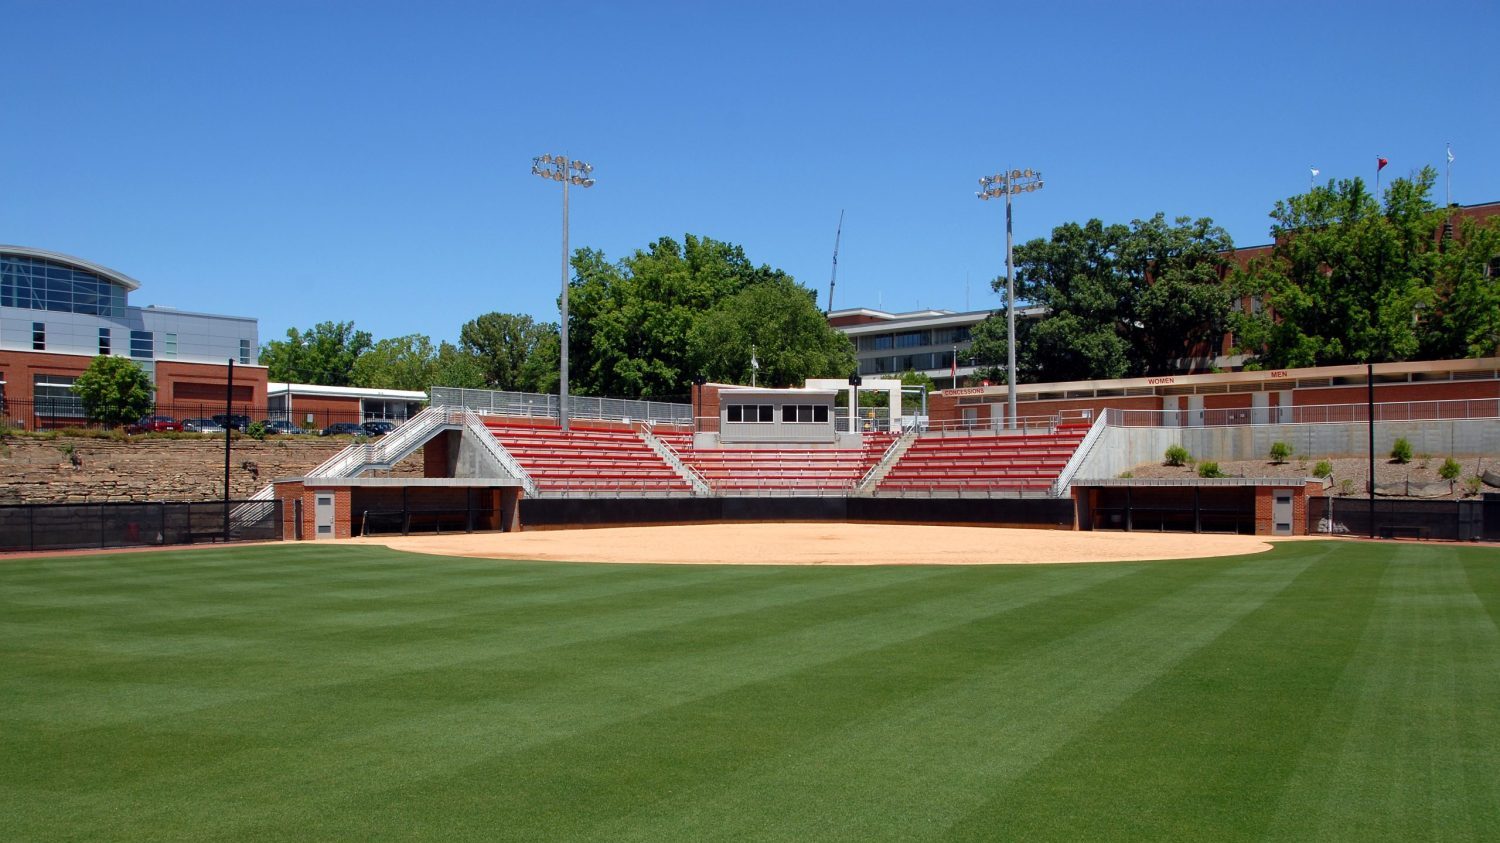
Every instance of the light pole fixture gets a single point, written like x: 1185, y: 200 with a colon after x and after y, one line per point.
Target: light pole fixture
x: 994, y: 187
x: 560, y: 168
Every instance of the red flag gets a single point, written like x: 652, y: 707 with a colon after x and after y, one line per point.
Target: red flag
x: 1380, y: 164
x: 955, y: 368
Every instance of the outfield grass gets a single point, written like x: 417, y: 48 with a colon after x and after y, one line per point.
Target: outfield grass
x: 1323, y: 691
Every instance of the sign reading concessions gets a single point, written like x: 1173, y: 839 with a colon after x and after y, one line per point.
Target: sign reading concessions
x: 968, y: 390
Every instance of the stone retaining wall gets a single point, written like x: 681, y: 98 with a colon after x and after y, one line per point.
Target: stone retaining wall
x: 142, y: 469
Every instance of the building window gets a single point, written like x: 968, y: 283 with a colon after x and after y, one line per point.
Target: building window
x: 38, y: 336
x: 142, y: 345
x: 882, y: 342
x: 104, y: 341
x: 169, y: 345
x: 244, y: 352
x: 54, y: 397
x: 805, y: 413
x: 911, y: 339
x: 751, y: 413
x: 39, y: 284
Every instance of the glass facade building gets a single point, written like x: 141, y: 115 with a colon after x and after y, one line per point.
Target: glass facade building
x: 34, y: 283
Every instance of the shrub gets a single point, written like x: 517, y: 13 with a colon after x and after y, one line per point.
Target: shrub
x: 256, y: 431
x: 1209, y: 468
x: 1178, y: 455
x: 1126, y: 475
x: 1279, y: 452
x: 1401, y: 451
x: 1346, y: 487
x: 1324, y: 468
x: 1450, y: 470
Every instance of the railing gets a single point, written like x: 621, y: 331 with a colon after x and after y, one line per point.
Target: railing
x: 50, y: 413
x: 475, y: 425
x: 892, y: 451
x: 997, y: 427
x: 665, y: 451
x: 1397, y: 411
x: 393, y: 446
x: 1080, y: 455
x: 537, y: 405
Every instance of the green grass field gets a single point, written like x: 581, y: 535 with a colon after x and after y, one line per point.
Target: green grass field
x: 1323, y: 691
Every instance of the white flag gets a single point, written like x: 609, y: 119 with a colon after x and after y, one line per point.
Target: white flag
x: 1450, y: 155
x: 754, y: 364
x: 1314, y: 171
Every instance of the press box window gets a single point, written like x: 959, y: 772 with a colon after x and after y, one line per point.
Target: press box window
x: 38, y: 336
x: 804, y: 413
x: 750, y: 413
x: 104, y: 341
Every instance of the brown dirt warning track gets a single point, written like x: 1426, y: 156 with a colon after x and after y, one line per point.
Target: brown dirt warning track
x: 826, y: 544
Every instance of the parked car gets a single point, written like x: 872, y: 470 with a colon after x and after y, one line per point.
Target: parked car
x: 202, y: 426
x: 154, y: 424
x: 343, y: 429
x: 378, y: 428
x: 237, y: 421
x: 281, y: 426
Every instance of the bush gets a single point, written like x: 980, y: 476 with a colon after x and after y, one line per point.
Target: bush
x: 256, y: 431
x: 1209, y: 468
x: 1126, y: 475
x: 1323, y: 469
x: 1450, y: 470
x: 1178, y: 455
x: 1401, y: 451
x: 1279, y: 452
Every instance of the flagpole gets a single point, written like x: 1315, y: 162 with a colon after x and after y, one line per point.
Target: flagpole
x: 1448, y: 179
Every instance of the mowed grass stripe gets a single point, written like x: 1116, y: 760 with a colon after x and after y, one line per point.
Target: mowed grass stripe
x: 1406, y: 746
x: 931, y: 757
x: 1205, y: 750
x: 565, y: 711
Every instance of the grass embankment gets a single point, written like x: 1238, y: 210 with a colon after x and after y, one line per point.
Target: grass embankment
x: 1322, y: 691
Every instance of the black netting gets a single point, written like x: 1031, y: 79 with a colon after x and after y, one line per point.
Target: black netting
x: 110, y: 525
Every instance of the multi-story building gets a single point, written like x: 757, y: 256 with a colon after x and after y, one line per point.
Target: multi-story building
x: 923, y: 341
x: 57, y: 313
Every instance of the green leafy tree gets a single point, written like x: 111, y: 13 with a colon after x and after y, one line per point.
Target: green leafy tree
x: 114, y: 391
x: 778, y: 321
x: 507, y: 347
x: 1117, y: 300
x: 631, y: 322
x: 407, y: 362
x: 457, y: 368
x: 1463, y: 319
x: 324, y: 354
x: 1345, y: 276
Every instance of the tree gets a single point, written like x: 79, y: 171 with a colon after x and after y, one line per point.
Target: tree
x: 1463, y: 319
x: 506, y: 347
x: 407, y: 362
x: 1118, y: 301
x: 778, y: 322
x: 324, y: 354
x: 456, y: 368
x: 631, y: 321
x: 114, y: 391
x: 1345, y: 276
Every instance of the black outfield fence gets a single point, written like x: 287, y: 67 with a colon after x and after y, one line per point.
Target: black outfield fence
x: 1018, y: 512
x: 74, y: 526
x: 1464, y: 520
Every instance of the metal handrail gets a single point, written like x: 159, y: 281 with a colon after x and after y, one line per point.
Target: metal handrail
x: 541, y: 405
x: 356, y: 458
x: 1080, y: 454
x: 669, y: 454
x: 904, y: 440
x: 474, y: 424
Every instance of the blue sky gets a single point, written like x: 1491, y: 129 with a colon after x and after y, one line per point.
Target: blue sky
x: 310, y: 161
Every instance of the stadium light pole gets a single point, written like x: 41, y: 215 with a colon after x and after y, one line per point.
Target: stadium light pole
x: 993, y: 187
x: 560, y: 168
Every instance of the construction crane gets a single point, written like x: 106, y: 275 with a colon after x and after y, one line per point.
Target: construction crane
x: 835, y: 277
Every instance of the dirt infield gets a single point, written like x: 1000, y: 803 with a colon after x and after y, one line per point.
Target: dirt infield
x: 827, y: 544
